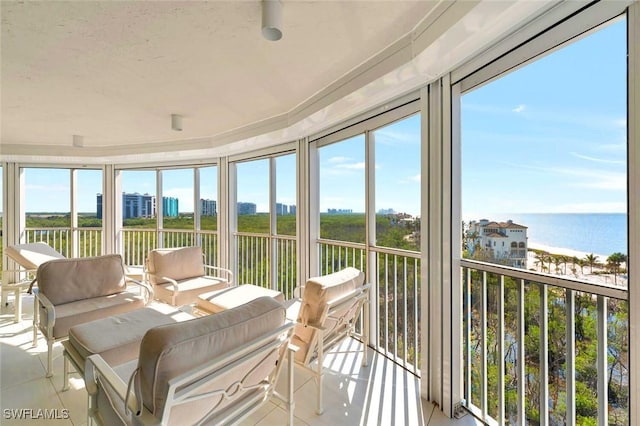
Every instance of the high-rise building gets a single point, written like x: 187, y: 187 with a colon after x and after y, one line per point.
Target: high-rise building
x: 292, y: 209
x: 169, y: 207
x: 246, y: 208
x: 281, y: 209
x: 141, y: 205
x: 208, y: 207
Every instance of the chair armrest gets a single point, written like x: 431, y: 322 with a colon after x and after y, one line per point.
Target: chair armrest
x: 170, y: 280
x: 144, y: 285
x: 221, y: 271
x: 95, y: 365
x: 50, y: 308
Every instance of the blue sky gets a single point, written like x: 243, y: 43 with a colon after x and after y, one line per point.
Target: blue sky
x: 549, y: 137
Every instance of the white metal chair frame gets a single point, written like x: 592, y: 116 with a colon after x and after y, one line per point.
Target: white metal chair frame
x: 176, y: 287
x: 187, y: 387
x: 318, y: 346
x: 40, y: 300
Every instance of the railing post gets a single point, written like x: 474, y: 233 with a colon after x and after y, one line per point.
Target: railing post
x: 571, y: 358
x: 603, y: 399
x: 544, y: 356
x: 521, y: 356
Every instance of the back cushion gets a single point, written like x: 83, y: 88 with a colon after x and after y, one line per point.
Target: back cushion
x: 32, y: 255
x: 69, y: 280
x: 317, y: 294
x: 170, y: 350
x: 178, y: 264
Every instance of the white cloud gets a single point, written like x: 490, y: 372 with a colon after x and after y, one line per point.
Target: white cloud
x: 597, y: 160
x: 519, y: 108
x: 351, y: 166
x: 338, y: 160
x: 48, y: 188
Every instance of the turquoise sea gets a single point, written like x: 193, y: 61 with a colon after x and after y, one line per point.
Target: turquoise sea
x: 601, y: 233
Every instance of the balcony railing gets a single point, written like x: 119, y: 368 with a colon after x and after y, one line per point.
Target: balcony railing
x: 542, y: 349
x: 395, y: 295
x: 254, y: 254
x: 138, y: 242
x: 89, y: 240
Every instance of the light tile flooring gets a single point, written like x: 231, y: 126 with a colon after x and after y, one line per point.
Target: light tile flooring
x: 381, y: 393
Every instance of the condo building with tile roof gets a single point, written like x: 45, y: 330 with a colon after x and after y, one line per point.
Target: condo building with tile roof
x: 500, y: 242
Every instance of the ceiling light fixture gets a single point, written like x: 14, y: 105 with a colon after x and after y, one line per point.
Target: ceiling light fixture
x: 78, y: 141
x: 271, y: 19
x: 176, y: 122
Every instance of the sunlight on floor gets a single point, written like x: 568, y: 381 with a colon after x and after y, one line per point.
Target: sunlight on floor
x: 382, y: 393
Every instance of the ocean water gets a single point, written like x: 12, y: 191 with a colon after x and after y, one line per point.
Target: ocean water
x: 600, y: 233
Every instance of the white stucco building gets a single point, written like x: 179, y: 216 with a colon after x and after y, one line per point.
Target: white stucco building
x: 504, y: 242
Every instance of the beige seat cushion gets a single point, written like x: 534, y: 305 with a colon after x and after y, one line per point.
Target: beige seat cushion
x: 116, y: 338
x: 189, y: 289
x: 68, y: 280
x: 171, y: 350
x: 32, y: 255
x: 81, y: 311
x: 318, y: 293
x: 218, y: 301
x: 178, y: 264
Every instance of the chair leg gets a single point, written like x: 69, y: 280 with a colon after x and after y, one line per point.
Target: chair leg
x: 65, y: 379
x: 290, y: 401
x: 18, y: 307
x: 365, y: 334
x: 319, y: 373
x: 35, y: 322
x: 49, y: 357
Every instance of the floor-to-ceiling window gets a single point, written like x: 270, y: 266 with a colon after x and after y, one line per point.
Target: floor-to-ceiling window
x: 265, y: 218
x: 544, y: 191
x: 138, y: 205
x: 88, y: 226
x: 169, y: 207
x: 369, y: 200
x: 61, y: 209
x: 207, y: 211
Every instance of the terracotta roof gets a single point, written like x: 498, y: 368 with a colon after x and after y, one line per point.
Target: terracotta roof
x: 496, y: 235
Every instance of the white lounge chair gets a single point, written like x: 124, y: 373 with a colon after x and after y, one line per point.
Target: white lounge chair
x: 15, y: 280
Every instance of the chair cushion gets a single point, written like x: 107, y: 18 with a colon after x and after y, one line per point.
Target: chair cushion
x: 318, y: 293
x: 32, y: 255
x: 221, y: 300
x: 69, y: 280
x: 178, y: 264
x: 189, y: 289
x: 81, y: 311
x: 171, y: 350
x: 117, y: 338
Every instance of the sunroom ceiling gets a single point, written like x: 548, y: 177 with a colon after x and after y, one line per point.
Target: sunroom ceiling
x: 113, y: 72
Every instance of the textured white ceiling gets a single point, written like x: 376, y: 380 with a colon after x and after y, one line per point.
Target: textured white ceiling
x: 114, y: 71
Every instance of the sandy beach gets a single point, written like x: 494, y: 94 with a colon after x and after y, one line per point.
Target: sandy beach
x: 606, y: 279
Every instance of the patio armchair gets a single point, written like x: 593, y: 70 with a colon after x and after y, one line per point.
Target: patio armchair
x: 327, y: 313
x: 179, y: 275
x: 215, y: 369
x: 76, y: 291
x: 28, y: 257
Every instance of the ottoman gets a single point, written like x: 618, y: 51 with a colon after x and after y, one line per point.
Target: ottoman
x: 116, y: 338
x: 221, y: 300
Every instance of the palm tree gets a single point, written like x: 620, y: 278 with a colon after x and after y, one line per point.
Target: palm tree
x: 614, y: 261
x: 541, y: 257
x: 591, y: 260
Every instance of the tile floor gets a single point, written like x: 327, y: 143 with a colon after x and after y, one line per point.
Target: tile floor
x: 380, y: 394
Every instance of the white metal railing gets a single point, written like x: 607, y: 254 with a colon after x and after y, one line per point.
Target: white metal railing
x: 395, y: 295
x: 267, y: 261
x: 543, y: 349
x: 138, y: 242
x: 88, y: 240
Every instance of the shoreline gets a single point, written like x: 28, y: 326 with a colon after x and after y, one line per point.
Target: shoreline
x: 566, y: 251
